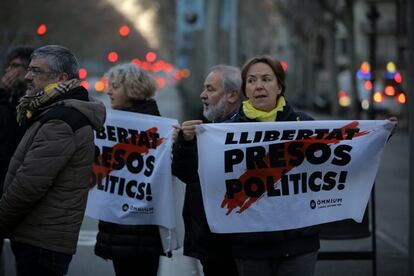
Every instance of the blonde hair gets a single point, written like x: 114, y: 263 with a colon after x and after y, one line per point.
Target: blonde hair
x: 136, y: 83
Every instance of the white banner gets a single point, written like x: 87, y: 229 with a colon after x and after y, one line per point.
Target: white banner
x: 132, y: 171
x: 277, y: 176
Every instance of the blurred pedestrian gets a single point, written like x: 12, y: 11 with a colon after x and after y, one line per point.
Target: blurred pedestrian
x: 12, y: 87
x: 133, y: 249
x: 47, y: 183
x: 221, y: 99
x: 281, y: 253
x: 15, y: 68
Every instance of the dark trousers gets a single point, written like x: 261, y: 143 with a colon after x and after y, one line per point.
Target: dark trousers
x: 36, y: 261
x: 2, y: 262
x: 299, y: 265
x: 1, y: 246
x: 219, y: 267
x: 147, y: 266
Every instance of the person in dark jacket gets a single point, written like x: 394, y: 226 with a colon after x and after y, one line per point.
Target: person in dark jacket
x: 221, y: 98
x: 133, y: 249
x: 291, y: 252
x: 47, y: 182
x: 12, y: 87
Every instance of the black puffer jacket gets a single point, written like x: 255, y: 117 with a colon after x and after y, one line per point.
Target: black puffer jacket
x: 10, y: 134
x: 275, y: 244
x: 116, y: 241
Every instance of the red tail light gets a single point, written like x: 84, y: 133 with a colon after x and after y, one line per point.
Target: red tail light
x: 368, y: 85
x: 341, y: 93
x: 401, y: 98
x: 389, y: 91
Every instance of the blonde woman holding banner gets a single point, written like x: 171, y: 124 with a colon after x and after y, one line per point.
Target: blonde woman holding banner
x: 133, y: 249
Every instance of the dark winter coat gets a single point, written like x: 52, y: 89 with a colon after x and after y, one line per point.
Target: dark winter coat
x: 10, y: 133
x: 275, y: 244
x: 117, y: 241
x: 47, y: 183
x: 199, y: 242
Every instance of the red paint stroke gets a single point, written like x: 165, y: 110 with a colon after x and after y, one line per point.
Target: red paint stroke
x: 243, y: 202
x: 128, y: 147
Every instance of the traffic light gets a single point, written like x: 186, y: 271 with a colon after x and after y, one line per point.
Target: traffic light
x: 190, y: 15
x: 190, y: 18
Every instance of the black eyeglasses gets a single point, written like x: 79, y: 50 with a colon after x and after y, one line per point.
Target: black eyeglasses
x: 37, y: 71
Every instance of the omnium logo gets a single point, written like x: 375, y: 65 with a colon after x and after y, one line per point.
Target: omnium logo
x: 325, y: 203
x: 135, y: 209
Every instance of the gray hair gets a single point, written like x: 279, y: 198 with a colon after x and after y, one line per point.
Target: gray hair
x: 137, y: 84
x: 59, y: 58
x: 231, y: 77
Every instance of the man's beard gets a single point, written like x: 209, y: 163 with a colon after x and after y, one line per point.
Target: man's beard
x: 216, y: 112
x: 31, y: 90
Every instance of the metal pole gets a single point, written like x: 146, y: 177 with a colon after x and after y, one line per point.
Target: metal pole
x: 410, y: 108
x: 374, y: 233
x: 373, y: 16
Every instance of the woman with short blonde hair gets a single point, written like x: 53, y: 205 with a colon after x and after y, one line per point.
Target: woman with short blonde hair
x: 136, y: 83
x: 131, y: 248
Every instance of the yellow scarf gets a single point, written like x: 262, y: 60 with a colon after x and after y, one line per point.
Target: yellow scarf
x: 263, y: 116
x: 35, y: 99
x: 50, y: 86
x: 47, y: 88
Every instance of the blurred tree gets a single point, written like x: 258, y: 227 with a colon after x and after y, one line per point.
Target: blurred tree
x: 89, y: 28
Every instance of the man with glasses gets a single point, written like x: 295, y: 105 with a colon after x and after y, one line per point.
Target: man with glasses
x: 46, y: 185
